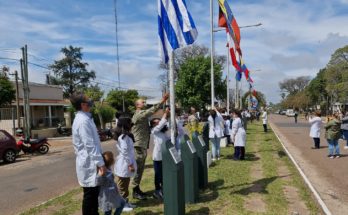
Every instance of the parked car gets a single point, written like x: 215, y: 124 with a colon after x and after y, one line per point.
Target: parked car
x: 282, y: 112
x: 8, y: 148
x: 290, y: 112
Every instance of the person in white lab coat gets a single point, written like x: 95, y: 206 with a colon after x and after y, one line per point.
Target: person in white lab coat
x: 216, y: 131
x: 125, y: 166
x: 264, y: 119
x: 89, y: 159
x: 227, y: 126
x: 159, y: 128
x: 316, y: 123
x: 238, y: 136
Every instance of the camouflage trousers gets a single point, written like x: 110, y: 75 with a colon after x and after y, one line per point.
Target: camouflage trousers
x: 140, y: 158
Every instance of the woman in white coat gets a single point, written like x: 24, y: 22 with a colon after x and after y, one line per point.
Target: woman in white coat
x: 238, y: 136
x: 315, y: 129
x: 216, y: 131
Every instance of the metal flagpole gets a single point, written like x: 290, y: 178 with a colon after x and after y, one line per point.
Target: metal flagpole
x: 212, y: 54
x: 228, y: 81
x: 172, y: 97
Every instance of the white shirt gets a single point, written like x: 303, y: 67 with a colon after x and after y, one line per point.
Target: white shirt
x: 125, y: 157
x: 315, y: 127
x: 217, y: 128
x: 264, y: 117
x: 238, y: 135
x: 227, y: 127
x: 159, y: 138
x: 87, y: 149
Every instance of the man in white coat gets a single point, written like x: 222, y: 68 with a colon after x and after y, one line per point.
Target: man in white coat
x: 315, y: 122
x: 89, y: 159
x: 264, y: 119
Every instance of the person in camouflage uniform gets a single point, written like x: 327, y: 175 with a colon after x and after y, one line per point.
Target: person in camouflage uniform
x: 141, y: 131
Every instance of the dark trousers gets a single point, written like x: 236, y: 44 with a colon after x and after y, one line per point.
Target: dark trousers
x: 228, y: 139
x: 316, y: 142
x: 90, y: 201
x: 239, y: 152
x: 295, y: 119
x: 157, y: 165
x: 264, y: 127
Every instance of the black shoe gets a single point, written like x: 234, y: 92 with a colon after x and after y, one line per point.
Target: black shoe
x: 157, y: 195
x: 139, y: 196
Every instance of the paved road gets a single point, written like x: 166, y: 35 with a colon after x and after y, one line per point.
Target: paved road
x: 35, y: 179
x: 329, y: 176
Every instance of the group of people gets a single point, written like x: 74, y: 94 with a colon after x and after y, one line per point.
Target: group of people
x: 96, y: 170
x: 335, y: 129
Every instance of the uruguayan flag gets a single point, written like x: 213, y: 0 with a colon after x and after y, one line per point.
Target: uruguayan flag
x: 176, y: 28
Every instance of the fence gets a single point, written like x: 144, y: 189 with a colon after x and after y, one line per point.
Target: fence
x: 8, y: 120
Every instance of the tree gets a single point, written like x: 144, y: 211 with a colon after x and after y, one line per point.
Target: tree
x: 261, y: 98
x: 71, y: 72
x: 294, y: 85
x: 7, y: 91
x: 316, y: 89
x: 115, y: 99
x: 94, y: 92
x: 102, y: 114
x: 193, y: 82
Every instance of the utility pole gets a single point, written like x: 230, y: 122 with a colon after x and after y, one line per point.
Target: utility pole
x: 212, y: 54
x: 17, y: 101
x: 26, y: 91
x: 228, y: 82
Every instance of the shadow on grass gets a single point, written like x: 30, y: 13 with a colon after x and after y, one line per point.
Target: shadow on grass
x: 203, y: 210
x: 248, y: 157
x: 148, y: 212
x: 149, y: 202
x: 149, y: 166
x: 282, y: 154
x: 258, y: 186
x: 211, y: 193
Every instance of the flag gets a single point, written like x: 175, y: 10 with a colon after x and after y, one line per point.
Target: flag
x: 228, y: 21
x: 238, y: 76
x: 176, y: 27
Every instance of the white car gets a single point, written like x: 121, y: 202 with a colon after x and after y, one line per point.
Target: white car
x: 290, y: 113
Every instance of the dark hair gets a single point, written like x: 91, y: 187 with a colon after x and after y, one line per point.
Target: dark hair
x: 318, y: 113
x: 238, y: 113
x: 76, y: 100
x: 152, y: 125
x: 118, y: 114
x: 108, y: 158
x: 124, y: 126
x: 212, y: 113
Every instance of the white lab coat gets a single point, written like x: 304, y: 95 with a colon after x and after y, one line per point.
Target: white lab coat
x: 87, y: 148
x: 264, y: 117
x: 227, y: 127
x: 238, y: 133
x: 159, y: 138
x: 315, y: 127
x: 216, y: 129
x: 125, y: 157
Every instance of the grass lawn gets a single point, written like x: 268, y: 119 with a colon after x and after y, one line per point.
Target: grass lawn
x: 265, y: 183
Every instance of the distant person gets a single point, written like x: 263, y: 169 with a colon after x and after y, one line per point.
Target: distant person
x: 89, y: 159
x: 316, y: 123
x: 205, y: 130
x: 238, y: 136
x: 264, y: 120
x: 333, y: 134
x: 227, y: 125
x: 109, y: 196
x: 296, y: 115
x: 216, y: 131
x: 141, y: 131
x: 344, y: 128
x: 125, y: 166
x: 193, y: 121
x: 159, y: 129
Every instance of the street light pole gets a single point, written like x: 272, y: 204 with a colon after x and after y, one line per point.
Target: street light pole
x: 228, y: 81
x: 212, y: 54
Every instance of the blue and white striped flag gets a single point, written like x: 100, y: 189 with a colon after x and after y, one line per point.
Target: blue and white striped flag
x: 176, y: 28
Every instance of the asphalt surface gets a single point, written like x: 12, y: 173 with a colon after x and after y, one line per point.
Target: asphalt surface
x: 328, y: 176
x: 34, y: 179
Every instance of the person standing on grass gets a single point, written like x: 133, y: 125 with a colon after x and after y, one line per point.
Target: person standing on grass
x: 344, y: 128
x: 227, y: 125
x: 126, y: 165
x: 89, y: 159
x: 333, y: 134
x: 159, y: 128
x: 238, y: 136
x: 264, y: 119
x: 315, y: 128
x: 109, y: 196
x: 216, y: 131
x: 141, y: 131
x: 193, y: 121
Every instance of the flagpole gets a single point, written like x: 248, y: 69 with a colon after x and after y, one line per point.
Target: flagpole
x: 172, y: 97
x: 212, y: 54
x: 228, y: 81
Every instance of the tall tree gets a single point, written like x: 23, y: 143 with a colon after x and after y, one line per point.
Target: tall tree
x: 294, y: 85
x: 316, y: 89
x: 94, y: 92
x: 7, y: 91
x: 71, y: 72
x: 115, y: 99
x: 193, y: 82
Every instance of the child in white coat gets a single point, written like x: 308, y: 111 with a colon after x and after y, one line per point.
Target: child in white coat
x: 238, y: 136
x: 315, y: 129
x: 159, y: 128
x: 126, y: 165
x: 216, y: 131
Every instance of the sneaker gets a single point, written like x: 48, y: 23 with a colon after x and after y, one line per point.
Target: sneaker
x: 332, y: 157
x: 345, y: 147
x: 139, y: 196
x: 130, y: 205
x: 157, y: 194
x: 218, y: 158
x: 337, y: 156
x: 213, y: 159
x: 127, y: 209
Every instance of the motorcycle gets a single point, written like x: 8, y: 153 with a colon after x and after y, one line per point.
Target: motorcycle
x: 38, y: 145
x: 63, y: 130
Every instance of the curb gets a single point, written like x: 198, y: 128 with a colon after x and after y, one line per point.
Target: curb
x: 59, y: 138
x: 309, y: 184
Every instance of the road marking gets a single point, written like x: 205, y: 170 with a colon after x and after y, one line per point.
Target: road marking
x: 316, y: 194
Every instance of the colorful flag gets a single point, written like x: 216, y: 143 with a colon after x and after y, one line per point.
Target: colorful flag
x: 176, y: 27
x: 227, y: 20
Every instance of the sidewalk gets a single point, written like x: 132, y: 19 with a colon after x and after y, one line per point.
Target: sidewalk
x: 328, y: 176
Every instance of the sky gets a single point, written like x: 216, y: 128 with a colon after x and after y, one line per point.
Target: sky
x: 296, y: 38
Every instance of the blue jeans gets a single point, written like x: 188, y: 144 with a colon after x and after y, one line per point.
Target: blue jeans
x: 118, y: 210
x: 215, y: 146
x: 345, y: 134
x: 333, y: 146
